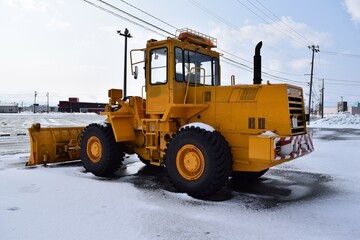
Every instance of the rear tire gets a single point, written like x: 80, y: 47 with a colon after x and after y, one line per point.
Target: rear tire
x: 100, y: 153
x: 198, y: 161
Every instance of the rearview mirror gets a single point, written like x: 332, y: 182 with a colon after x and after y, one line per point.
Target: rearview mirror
x: 136, y: 72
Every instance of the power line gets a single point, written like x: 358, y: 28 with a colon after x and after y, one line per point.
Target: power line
x: 229, y: 61
x: 315, y: 94
x: 299, y: 38
x: 344, y: 84
x: 238, y: 63
x: 234, y: 27
x: 233, y: 55
x: 337, y: 93
x: 318, y: 64
x: 139, y: 19
x: 245, y: 60
x: 277, y: 71
x: 337, y: 80
x: 212, y: 13
x: 281, y: 78
x: 341, y: 54
x: 122, y: 17
x: 250, y: 69
x: 277, y: 23
x: 281, y: 52
x: 285, y: 33
x: 208, y: 11
x: 235, y: 65
x: 284, y: 23
x: 148, y: 14
x: 271, y: 75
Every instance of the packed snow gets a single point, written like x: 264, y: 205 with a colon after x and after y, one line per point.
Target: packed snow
x: 338, y: 120
x: 269, y: 134
x: 314, y: 197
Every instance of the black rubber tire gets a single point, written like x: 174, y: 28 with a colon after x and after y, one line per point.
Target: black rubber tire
x: 144, y: 161
x: 112, y: 153
x: 247, y: 176
x: 217, y: 161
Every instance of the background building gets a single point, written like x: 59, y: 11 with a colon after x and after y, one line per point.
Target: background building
x: 355, y: 109
x: 342, y: 106
x: 9, y: 108
x: 74, y: 105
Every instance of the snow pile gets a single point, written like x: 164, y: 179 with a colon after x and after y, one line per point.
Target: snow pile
x: 269, y: 134
x: 338, y: 120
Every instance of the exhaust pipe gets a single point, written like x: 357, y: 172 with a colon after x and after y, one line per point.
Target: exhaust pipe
x: 257, y: 64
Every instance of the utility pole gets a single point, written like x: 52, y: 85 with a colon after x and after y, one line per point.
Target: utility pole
x: 35, y: 94
x: 47, y: 95
x: 127, y: 35
x: 322, y: 99
x: 313, y: 49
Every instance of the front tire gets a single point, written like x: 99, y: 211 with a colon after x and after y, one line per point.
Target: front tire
x: 247, y: 176
x: 198, y: 161
x: 100, y: 153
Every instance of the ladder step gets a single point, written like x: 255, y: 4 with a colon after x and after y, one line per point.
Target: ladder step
x: 155, y: 162
x: 151, y: 147
x: 151, y: 133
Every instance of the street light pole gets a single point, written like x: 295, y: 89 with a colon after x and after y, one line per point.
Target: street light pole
x: 127, y: 35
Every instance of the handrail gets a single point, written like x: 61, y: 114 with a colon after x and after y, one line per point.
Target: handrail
x: 197, y: 70
x: 131, y: 59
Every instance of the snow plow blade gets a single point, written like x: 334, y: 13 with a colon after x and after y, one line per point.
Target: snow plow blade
x: 54, y: 144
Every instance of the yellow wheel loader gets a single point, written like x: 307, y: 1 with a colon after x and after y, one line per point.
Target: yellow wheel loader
x: 201, y: 131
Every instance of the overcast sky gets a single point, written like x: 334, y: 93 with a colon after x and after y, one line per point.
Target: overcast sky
x: 70, y: 48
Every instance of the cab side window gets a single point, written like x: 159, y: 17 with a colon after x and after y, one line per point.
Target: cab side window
x: 158, y: 66
x: 179, y: 65
x: 215, y: 70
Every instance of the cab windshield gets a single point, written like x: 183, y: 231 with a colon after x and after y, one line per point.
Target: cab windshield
x: 195, y: 67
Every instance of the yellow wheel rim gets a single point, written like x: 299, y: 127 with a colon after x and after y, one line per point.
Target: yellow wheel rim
x: 94, y: 149
x: 190, y: 162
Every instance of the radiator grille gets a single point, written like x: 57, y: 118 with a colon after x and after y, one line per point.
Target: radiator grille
x: 297, y: 115
x: 248, y: 94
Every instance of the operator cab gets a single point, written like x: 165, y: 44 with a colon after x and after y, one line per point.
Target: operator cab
x: 177, y: 65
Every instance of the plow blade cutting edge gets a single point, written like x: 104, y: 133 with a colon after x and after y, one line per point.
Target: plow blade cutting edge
x: 54, y: 144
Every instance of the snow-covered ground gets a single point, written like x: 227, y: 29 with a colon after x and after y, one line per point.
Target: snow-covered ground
x: 314, y: 197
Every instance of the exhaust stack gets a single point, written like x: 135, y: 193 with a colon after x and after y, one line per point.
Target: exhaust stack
x: 257, y: 64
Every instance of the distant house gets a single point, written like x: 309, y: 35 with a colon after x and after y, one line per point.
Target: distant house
x: 9, y: 108
x: 356, y: 108
x: 342, y: 106
x: 74, y: 105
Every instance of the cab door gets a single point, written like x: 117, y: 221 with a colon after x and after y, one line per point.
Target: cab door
x: 157, y: 85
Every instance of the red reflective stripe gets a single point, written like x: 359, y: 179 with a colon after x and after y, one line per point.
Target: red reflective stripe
x: 299, y: 145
